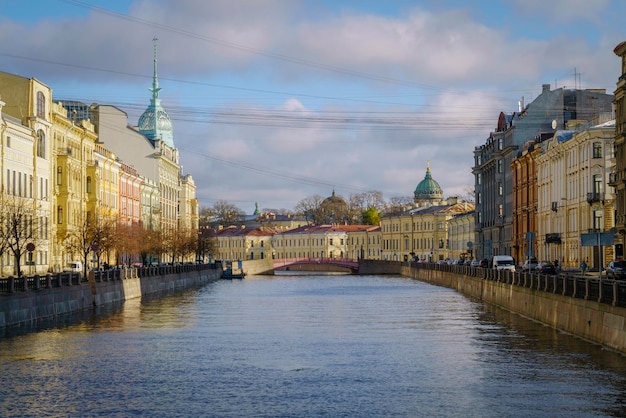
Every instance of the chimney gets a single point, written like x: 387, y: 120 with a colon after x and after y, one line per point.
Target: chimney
x: 545, y: 87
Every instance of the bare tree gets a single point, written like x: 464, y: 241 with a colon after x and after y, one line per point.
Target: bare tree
x: 90, y: 236
x: 224, y: 213
x: 127, y: 242
x: 150, y: 245
x: 309, y: 207
x: 398, y: 205
x: 207, y: 245
x: 185, y: 243
x: 4, y: 237
x: 18, y: 227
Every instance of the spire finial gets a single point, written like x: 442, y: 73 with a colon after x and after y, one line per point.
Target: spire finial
x: 427, y: 165
x: 155, y: 81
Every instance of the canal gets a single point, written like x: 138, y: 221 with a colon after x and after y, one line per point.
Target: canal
x: 307, y: 346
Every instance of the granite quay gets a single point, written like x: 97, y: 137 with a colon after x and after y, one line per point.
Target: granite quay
x: 29, y: 299
x: 585, y: 306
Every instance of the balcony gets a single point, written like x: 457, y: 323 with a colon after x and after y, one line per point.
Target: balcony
x: 616, y: 177
x: 595, y: 197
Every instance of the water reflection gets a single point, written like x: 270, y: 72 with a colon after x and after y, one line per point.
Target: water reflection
x: 307, y: 346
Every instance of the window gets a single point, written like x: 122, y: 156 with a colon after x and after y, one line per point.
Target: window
x: 88, y: 184
x: 41, y: 105
x: 499, y: 188
x: 41, y: 144
x: 500, y: 143
x: 597, y: 183
x: 597, y: 150
x: 59, y: 176
x: 499, y: 166
x: 479, y: 178
x: 59, y: 215
x: 478, y: 198
x: 8, y: 142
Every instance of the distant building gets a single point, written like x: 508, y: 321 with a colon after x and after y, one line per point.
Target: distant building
x: 421, y: 232
x: 461, y: 236
x: 241, y: 243
x: 320, y: 241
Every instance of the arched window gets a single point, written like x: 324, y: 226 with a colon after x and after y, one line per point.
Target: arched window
x: 41, y: 105
x: 59, y: 176
x: 41, y: 144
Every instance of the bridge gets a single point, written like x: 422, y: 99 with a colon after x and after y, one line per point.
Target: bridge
x: 312, y: 262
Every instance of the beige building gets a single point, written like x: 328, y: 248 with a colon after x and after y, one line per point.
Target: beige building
x: 364, y: 243
x: 420, y: 232
x: 241, y: 243
x: 461, y: 236
x: 188, y: 216
x: 317, y: 241
x: 573, y: 194
x: 25, y: 168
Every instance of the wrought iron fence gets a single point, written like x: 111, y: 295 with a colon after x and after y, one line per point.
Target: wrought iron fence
x: 567, y: 283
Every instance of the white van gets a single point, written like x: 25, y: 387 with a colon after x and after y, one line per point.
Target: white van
x: 74, y: 267
x: 503, y: 262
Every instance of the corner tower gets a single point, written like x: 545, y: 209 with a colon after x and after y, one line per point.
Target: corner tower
x: 155, y: 123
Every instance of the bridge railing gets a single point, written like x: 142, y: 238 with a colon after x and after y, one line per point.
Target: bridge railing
x: 566, y: 283
x: 315, y: 260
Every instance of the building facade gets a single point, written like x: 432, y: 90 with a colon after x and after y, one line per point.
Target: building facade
x: 550, y: 111
x: 574, y: 196
x: 618, y: 176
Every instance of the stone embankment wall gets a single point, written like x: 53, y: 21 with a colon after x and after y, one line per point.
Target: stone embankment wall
x: 379, y: 267
x: 253, y: 267
x: 599, y: 323
x: 28, y: 307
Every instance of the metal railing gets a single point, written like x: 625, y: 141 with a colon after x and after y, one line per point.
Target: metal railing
x: 12, y: 285
x: 566, y: 283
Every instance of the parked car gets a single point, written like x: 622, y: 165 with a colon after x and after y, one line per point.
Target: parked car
x: 616, y: 270
x: 529, y: 264
x: 503, y: 262
x: 475, y: 263
x: 484, y: 263
x: 545, y: 267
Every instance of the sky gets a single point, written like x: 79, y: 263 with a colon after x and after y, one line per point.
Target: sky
x: 274, y: 101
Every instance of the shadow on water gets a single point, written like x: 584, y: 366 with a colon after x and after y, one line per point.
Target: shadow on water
x: 527, y: 345
x: 104, y: 315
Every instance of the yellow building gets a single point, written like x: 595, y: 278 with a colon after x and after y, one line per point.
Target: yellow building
x: 322, y: 241
x: 574, y: 197
x: 73, y: 152
x: 241, y: 243
x: 364, y: 242
x: 420, y: 232
x: 189, y: 212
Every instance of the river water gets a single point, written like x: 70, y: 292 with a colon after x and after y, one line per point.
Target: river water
x: 307, y: 346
